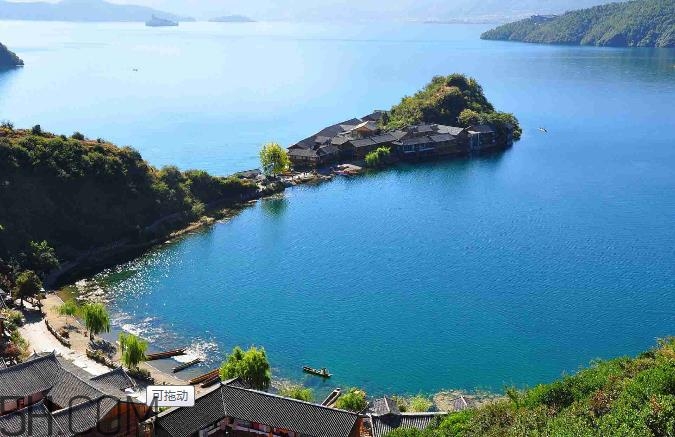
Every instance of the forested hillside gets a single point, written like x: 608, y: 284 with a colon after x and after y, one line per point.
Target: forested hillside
x: 8, y: 59
x: 620, y: 397
x: 639, y: 23
x: 77, y: 194
x: 454, y: 100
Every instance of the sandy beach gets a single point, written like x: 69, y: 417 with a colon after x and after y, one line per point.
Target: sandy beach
x: 41, y: 340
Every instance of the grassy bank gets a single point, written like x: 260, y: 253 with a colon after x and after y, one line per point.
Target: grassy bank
x: 619, y: 397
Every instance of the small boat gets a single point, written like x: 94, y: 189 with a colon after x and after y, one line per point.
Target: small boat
x: 322, y: 373
x: 543, y: 129
x: 332, y: 397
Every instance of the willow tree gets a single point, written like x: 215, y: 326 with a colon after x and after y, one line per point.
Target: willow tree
x: 96, y: 319
x: 274, y: 159
x: 251, y: 366
x: 133, y: 350
x: 69, y: 308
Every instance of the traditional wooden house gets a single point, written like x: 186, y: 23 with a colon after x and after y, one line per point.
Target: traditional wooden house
x: 481, y: 137
x: 233, y: 410
x: 67, y: 399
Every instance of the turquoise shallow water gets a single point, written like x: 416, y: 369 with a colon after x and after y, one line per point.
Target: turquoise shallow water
x: 508, y: 269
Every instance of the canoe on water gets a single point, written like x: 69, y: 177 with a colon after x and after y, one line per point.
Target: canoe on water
x: 323, y: 372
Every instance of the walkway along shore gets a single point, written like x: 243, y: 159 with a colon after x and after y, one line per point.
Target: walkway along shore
x: 41, y: 339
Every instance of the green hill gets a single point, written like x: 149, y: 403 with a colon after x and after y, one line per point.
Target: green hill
x: 78, y: 194
x: 8, y: 59
x: 451, y: 100
x: 621, y: 397
x: 639, y: 23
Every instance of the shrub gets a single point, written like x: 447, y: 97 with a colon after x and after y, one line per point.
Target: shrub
x: 420, y: 404
x: 297, y: 392
x: 353, y: 400
x: 36, y: 130
x: 377, y: 157
x: 77, y: 136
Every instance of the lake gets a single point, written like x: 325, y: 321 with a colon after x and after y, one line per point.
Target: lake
x: 507, y: 269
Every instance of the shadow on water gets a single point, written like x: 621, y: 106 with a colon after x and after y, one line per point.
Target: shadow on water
x: 274, y: 207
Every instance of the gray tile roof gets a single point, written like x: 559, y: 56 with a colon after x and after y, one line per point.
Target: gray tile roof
x: 383, y: 406
x: 302, y: 153
x: 35, y: 375
x: 382, y: 425
x: 482, y: 128
x: 366, y: 142
x: 61, y: 381
x: 33, y: 421
x: 328, y: 149
x: 115, y: 379
x: 182, y: 422
x: 454, y: 131
x: 85, y: 416
x: 303, y: 417
x: 440, y: 138
x: 255, y: 406
x: 383, y: 138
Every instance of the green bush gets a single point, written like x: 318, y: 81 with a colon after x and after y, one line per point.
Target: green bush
x: 297, y: 392
x: 377, y: 158
x: 353, y: 400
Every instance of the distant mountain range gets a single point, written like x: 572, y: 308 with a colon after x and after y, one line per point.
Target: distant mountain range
x: 8, y: 59
x: 232, y: 19
x: 638, y: 23
x: 81, y: 10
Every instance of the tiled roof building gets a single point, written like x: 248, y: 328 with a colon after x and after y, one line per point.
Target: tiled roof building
x: 50, y: 393
x: 242, y: 411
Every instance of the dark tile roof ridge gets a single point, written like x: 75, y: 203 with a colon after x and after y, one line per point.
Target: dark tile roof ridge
x: 31, y: 361
x: 83, y: 405
x: 203, y: 394
x: 117, y: 370
x: 87, y: 382
x: 351, y: 413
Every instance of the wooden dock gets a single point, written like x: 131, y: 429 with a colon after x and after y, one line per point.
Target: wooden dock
x: 186, y: 365
x: 165, y: 354
x: 205, y: 377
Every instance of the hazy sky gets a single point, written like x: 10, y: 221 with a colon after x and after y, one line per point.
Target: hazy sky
x: 361, y: 9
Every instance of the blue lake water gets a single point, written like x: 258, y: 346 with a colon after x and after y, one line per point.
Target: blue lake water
x: 508, y: 269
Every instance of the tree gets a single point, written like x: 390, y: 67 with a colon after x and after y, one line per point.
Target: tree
x: 69, y: 308
x: 297, y: 392
x: 468, y: 118
x: 42, y: 257
x: 133, y: 350
x: 274, y: 159
x: 353, y: 400
x: 28, y: 284
x: 77, y: 136
x: 96, y: 319
x: 251, y: 366
x: 36, y: 130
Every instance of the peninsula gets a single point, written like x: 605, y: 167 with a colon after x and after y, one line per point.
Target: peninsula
x: 8, y: 59
x: 637, y: 23
x: 449, y: 117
